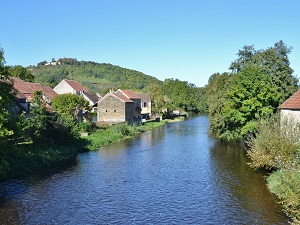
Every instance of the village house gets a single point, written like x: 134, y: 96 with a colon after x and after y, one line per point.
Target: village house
x: 290, y: 109
x: 115, y: 108
x: 145, y: 105
x: 74, y: 87
x: 69, y: 87
x: 25, y: 92
x: 137, y: 103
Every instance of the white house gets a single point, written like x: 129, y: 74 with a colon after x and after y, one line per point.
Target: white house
x: 70, y: 87
x: 290, y: 109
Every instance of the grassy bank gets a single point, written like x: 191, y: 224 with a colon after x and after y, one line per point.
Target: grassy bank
x: 115, y: 133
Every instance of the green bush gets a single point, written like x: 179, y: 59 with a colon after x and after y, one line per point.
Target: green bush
x: 285, y: 184
x: 275, y: 145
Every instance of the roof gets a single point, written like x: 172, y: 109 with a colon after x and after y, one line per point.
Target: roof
x: 27, y: 88
x: 145, y: 97
x: 129, y: 94
x: 76, y: 85
x: 49, y: 92
x: 122, y: 97
x: 292, y: 103
x: 92, y: 97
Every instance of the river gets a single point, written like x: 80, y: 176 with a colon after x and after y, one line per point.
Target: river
x: 174, y: 174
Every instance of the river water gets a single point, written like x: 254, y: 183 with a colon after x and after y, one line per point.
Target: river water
x: 174, y: 174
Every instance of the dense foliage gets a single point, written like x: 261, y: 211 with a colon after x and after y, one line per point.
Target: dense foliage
x: 260, y: 81
x: 22, y: 73
x: 28, y: 143
x: 98, y: 77
x: 70, y: 105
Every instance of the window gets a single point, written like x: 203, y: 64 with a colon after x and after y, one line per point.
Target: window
x: 145, y: 104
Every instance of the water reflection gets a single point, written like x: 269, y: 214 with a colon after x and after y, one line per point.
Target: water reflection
x: 239, y: 183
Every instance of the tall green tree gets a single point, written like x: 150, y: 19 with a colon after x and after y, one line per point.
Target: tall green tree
x: 251, y: 96
x: 260, y: 81
x: 7, y: 96
x: 22, y: 73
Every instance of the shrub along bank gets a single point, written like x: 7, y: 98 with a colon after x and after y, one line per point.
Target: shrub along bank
x: 276, y: 146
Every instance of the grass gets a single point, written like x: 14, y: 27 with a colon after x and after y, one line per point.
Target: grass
x: 116, y: 133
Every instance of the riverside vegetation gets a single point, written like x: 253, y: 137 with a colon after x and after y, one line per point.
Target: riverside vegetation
x: 243, y: 105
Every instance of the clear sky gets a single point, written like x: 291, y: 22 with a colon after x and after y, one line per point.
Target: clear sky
x: 184, y: 39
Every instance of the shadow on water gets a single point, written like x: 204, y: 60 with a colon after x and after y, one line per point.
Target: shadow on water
x: 243, y: 184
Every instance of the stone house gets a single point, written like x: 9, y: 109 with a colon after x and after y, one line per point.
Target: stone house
x: 114, y: 107
x: 290, y: 109
x: 137, y: 103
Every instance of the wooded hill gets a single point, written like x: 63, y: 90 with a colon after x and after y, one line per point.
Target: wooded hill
x: 98, y: 77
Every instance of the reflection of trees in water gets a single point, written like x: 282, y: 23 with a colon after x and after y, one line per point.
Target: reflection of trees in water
x: 144, y: 140
x: 231, y: 172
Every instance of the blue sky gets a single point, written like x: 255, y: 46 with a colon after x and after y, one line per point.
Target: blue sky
x: 187, y: 39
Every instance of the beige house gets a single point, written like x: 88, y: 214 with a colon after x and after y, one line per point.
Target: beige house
x: 70, y: 87
x: 290, y: 109
x: 145, y: 105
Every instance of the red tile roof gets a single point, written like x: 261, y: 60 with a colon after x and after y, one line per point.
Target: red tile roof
x: 27, y: 89
x: 122, y: 97
x: 49, y: 92
x: 76, y: 85
x: 129, y: 94
x: 292, y: 103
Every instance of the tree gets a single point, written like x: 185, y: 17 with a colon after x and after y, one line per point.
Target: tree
x: 218, y: 85
x: 22, y: 73
x: 260, y: 82
x: 251, y: 96
x: 69, y: 105
x: 183, y: 95
x: 158, y: 100
x: 7, y: 96
x: 245, y: 57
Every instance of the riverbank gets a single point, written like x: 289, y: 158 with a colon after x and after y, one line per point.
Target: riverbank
x: 105, y: 136
x: 24, y: 159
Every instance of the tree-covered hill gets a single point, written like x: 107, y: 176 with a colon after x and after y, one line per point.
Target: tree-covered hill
x: 98, y: 77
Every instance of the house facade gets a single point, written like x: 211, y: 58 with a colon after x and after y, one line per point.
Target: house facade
x: 115, y: 108
x: 290, y: 109
x: 145, y: 105
x: 137, y: 103
x: 69, y: 87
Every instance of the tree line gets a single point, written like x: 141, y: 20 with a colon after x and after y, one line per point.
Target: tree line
x: 259, y: 81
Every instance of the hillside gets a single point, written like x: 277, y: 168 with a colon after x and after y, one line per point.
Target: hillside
x: 98, y: 77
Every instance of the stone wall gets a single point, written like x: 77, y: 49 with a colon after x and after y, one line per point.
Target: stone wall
x: 113, y: 110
